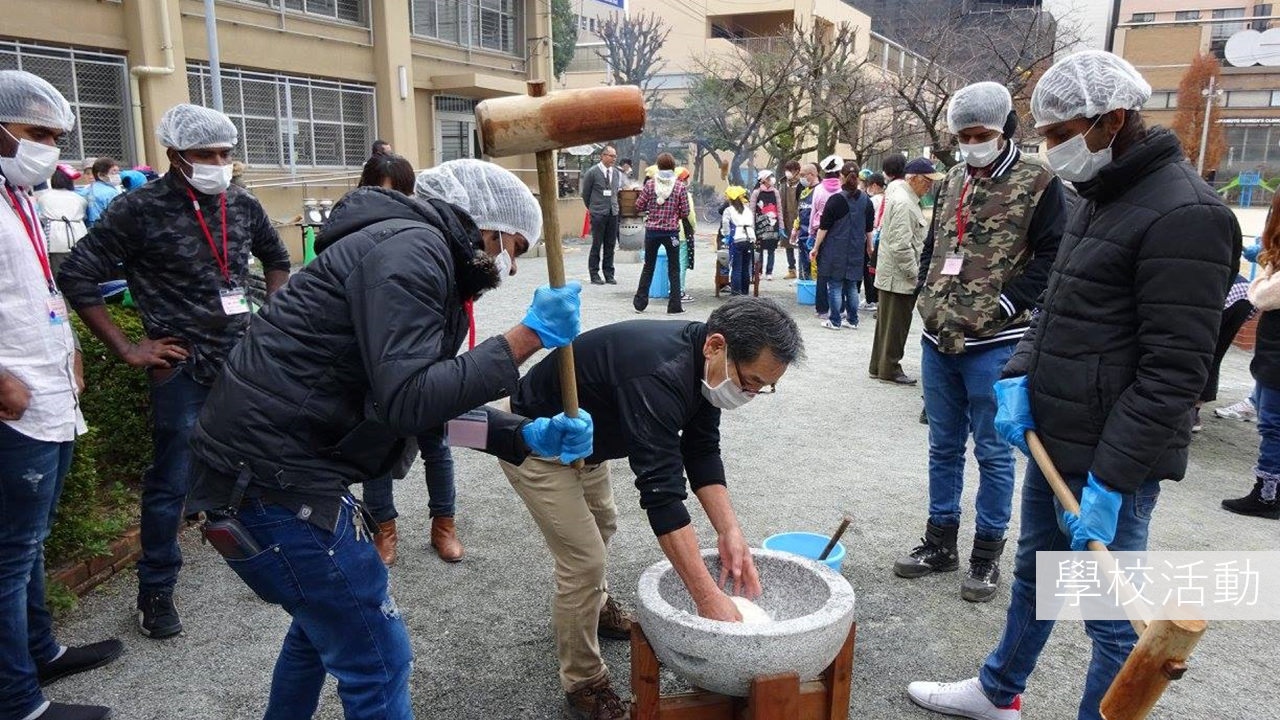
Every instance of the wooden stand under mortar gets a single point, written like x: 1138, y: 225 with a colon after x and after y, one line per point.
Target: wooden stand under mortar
x: 773, y: 697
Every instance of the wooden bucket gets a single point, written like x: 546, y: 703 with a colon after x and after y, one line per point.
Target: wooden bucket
x: 627, y: 202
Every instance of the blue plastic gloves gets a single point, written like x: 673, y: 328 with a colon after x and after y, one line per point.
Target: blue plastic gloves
x: 555, y: 314
x: 1099, y: 513
x: 569, y: 438
x: 1013, y: 412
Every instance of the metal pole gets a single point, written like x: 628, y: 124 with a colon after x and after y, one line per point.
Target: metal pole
x: 215, y: 68
x: 1204, y: 132
x: 288, y: 102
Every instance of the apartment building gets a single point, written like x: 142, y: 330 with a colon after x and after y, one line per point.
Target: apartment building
x: 309, y: 83
x: 1160, y: 37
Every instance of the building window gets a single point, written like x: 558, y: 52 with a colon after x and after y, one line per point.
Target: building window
x: 323, y: 123
x: 1262, y: 10
x: 1224, y: 30
x: 1143, y: 17
x: 96, y: 85
x: 1249, y: 98
x: 485, y: 24
x: 1275, y: 98
x: 455, y: 128
x: 586, y: 58
x: 1184, y: 15
x: 352, y: 11
x: 1161, y: 101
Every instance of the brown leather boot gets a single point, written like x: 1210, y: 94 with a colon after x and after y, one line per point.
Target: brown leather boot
x: 444, y: 538
x: 596, y: 702
x: 385, y: 542
x: 615, y: 623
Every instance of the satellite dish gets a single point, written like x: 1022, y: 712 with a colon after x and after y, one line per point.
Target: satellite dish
x: 1243, y: 48
x: 1269, y: 48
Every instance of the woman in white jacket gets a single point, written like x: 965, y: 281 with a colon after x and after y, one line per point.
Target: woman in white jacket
x: 737, y: 227
x: 62, y: 213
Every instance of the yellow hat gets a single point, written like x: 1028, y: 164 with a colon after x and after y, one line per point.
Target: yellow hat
x: 651, y: 171
x: 735, y: 192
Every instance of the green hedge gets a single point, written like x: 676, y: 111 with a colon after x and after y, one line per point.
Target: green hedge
x: 99, y: 496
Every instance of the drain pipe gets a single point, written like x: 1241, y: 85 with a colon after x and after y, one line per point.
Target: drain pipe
x: 135, y: 88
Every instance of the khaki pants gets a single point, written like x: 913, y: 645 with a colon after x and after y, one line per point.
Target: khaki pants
x: 575, y: 511
x: 893, y: 323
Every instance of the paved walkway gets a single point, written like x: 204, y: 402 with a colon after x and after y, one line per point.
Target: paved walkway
x: 829, y: 442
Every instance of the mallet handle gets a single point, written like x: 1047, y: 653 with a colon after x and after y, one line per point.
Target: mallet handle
x: 831, y: 545
x: 548, y: 192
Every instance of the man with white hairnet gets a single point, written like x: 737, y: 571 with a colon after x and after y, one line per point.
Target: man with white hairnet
x: 358, y: 352
x: 985, y: 261
x: 184, y: 245
x: 1112, y: 365
x: 40, y: 381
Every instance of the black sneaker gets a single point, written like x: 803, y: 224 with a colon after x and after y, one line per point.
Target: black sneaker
x: 79, y: 659
x: 1196, y: 425
x: 935, y: 553
x: 924, y: 417
x: 63, y: 711
x: 1256, y: 503
x: 595, y: 280
x: 983, y: 580
x: 610, y: 281
x: 158, y: 616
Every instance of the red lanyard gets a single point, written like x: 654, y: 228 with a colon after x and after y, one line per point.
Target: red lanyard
x: 962, y: 217
x: 469, y: 306
x: 33, y: 234
x: 223, y: 260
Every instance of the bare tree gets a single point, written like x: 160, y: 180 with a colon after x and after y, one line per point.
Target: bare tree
x: 632, y: 54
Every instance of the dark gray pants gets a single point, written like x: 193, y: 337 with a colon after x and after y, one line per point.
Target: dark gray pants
x: 604, y: 236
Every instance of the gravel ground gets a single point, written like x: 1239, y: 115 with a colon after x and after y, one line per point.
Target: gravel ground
x: 830, y: 442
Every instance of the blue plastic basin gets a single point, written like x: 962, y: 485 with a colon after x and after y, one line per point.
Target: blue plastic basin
x: 806, y: 544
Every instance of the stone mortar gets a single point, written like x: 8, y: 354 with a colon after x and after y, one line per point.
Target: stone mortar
x: 811, y: 607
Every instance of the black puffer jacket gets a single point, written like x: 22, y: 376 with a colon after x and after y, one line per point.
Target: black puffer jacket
x: 357, y: 351
x: 1125, y: 337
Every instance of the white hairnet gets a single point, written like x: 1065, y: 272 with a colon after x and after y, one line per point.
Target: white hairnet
x: 492, y: 195
x: 831, y: 163
x: 1086, y: 84
x: 191, y: 127
x: 30, y: 100
x: 984, y: 104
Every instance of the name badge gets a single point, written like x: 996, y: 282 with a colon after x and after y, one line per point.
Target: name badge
x: 57, y: 307
x: 234, y: 302
x: 953, y: 263
x: 469, y: 430
x: 607, y: 193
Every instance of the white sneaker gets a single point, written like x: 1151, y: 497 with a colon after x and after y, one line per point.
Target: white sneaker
x: 1242, y: 410
x: 961, y: 699
x: 769, y: 278
x: 830, y: 325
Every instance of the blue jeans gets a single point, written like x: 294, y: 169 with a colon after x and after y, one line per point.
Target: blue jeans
x: 437, y: 462
x: 175, y: 404
x: 958, y: 398
x: 31, y: 475
x: 1268, y: 407
x: 345, y: 623
x: 741, y: 262
x: 842, y: 295
x: 802, y: 257
x: 1005, y: 673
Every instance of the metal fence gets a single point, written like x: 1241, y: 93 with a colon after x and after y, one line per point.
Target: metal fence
x: 96, y: 85
x: 485, y: 24
x: 291, y: 121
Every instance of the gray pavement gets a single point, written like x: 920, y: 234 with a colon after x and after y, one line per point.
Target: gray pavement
x: 829, y: 442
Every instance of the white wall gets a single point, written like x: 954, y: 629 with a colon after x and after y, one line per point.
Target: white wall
x: 1088, y: 19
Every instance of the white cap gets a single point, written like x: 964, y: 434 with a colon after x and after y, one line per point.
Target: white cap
x: 191, y: 127
x: 984, y: 104
x: 765, y: 175
x: 30, y: 100
x: 492, y: 195
x: 1087, y: 84
x: 831, y: 163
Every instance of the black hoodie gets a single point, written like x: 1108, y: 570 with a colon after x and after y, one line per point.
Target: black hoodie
x: 355, y: 353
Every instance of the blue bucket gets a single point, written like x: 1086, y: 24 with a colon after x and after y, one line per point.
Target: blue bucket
x: 807, y: 294
x: 806, y: 544
x: 659, y: 287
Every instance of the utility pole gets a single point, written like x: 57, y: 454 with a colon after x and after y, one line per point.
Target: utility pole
x: 215, y: 67
x: 1112, y: 22
x: 1210, y: 94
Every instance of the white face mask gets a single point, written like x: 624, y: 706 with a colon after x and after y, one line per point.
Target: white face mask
x: 209, y: 179
x: 980, y: 155
x: 503, y: 261
x: 113, y: 179
x: 788, y: 174
x: 1073, y: 161
x: 33, y: 164
x: 727, y: 395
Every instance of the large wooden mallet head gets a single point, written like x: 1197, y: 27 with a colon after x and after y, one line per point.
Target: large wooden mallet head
x: 521, y: 124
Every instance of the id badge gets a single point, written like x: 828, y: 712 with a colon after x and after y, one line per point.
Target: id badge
x: 469, y: 430
x: 57, y: 309
x: 953, y: 263
x: 234, y: 302
x: 607, y: 193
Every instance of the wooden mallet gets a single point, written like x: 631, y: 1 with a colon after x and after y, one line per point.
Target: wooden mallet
x: 1164, y: 643
x: 542, y: 123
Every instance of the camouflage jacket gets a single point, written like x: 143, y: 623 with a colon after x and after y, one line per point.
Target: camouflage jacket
x: 1013, y: 226
x: 152, y: 235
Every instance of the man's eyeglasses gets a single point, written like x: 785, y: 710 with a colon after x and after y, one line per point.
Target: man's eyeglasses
x: 770, y: 390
